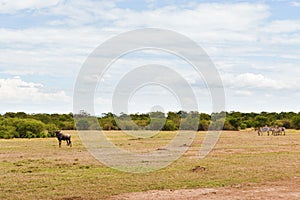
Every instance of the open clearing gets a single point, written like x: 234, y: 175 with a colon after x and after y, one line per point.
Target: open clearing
x: 241, y: 166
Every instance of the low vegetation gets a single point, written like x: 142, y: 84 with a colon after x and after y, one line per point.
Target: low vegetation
x: 22, y: 125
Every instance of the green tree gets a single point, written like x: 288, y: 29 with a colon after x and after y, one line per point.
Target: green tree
x: 7, y: 132
x: 82, y: 124
x: 157, y: 123
x: 30, y: 128
x: 203, y: 125
x: 51, y: 128
x: 261, y: 120
x: 296, y: 122
x: 170, y: 126
x: 157, y: 114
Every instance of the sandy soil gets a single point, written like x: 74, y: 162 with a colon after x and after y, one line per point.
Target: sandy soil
x: 272, y: 190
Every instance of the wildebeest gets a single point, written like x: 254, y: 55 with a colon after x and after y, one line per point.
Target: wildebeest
x: 60, y: 136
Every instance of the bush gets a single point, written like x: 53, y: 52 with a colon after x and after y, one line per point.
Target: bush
x: 203, y: 125
x: 189, y: 123
x: 157, y: 124
x: 7, y: 132
x: 21, y: 128
x: 30, y: 128
x: 243, y: 126
x: 296, y: 122
x: 169, y: 126
x: 51, y: 128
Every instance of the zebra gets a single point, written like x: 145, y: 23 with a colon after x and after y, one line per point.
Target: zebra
x: 265, y: 129
x: 278, y: 131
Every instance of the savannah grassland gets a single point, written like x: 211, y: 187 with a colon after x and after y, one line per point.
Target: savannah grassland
x: 38, y: 169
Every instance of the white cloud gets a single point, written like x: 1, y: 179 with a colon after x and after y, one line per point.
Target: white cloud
x: 285, y: 39
x: 17, y: 90
x: 251, y: 50
x: 283, y: 26
x: 83, y: 12
x: 212, y: 24
x: 46, y: 50
x: 204, y: 22
x: 254, y: 81
x: 295, y: 3
x: 8, y: 6
x: 243, y: 93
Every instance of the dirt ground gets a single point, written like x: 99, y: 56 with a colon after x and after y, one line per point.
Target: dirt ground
x: 287, y: 190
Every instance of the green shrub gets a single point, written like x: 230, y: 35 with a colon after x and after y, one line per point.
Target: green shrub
x: 296, y: 122
x: 51, y: 128
x: 7, y: 132
x: 21, y: 128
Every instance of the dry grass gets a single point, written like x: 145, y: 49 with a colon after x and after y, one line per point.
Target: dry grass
x: 38, y: 169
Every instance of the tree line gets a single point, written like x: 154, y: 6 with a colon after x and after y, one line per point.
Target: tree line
x: 23, y: 125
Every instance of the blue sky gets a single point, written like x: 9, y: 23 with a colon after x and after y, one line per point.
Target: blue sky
x: 255, y: 45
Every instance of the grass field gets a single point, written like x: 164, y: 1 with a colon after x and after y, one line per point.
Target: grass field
x: 38, y: 169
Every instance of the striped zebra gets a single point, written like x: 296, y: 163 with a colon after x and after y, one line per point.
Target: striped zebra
x: 278, y: 131
x: 264, y: 129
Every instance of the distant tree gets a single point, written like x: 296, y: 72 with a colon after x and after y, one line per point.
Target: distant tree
x: 233, y: 123
x: 157, y: 114
x: 21, y: 115
x: 182, y: 114
x: 45, y: 118
x: 67, y: 125
x: 286, y: 123
x: 21, y: 124
x: 261, y: 120
x: 175, y: 118
x: 219, y: 125
x: 108, y: 123
x: 30, y: 128
x: 51, y: 128
x: 156, y: 124
x: 204, y: 116
x: 190, y: 122
x: 10, y: 115
x: 227, y: 125
x: 296, y: 122
x: 7, y: 132
x: 23, y: 128
x: 170, y: 126
x: 82, y: 124
x: 243, y: 126
x: 203, y: 125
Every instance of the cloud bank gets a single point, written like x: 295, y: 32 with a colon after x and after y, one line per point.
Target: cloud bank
x: 255, y: 49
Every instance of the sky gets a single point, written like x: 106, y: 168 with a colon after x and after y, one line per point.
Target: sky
x: 254, y: 45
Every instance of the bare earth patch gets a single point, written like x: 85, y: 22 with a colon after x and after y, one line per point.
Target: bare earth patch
x: 288, y: 190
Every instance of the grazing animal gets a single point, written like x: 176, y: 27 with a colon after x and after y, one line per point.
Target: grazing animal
x: 265, y: 129
x: 283, y: 130
x: 60, y: 136
x: 278, y: 131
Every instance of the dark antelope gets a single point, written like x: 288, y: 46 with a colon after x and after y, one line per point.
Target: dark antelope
x: 60, y: 136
